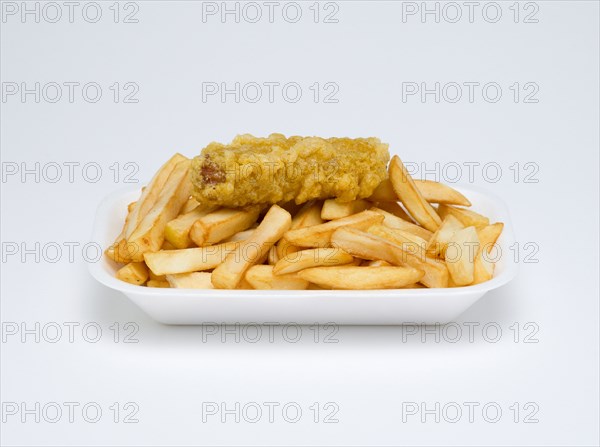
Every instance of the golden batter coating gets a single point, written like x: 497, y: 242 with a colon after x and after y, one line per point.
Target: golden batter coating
x: 277, y: 169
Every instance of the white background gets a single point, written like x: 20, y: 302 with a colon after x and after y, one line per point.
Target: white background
x: 371, y: 371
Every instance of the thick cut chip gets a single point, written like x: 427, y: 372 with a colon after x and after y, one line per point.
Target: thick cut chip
x: 384, y: 192
x: 350, y: 277
x: 467, y: 217
x: 228, y: 274
x: 177, y: 231
x: 221, y: 224
x: 190, y: 205
x: 377, y: 263
x: 150, y: 233
x: 439, y: 241
x: 460, y: 255
x: 396, y: 209
x: 157, y: 283
x: 152, y: 192
x: 320, y: 235
x: 410, y: 196
x: 369, y: 246
x: 133, y: 273
x: 261, y: 277
x: 192, y: 280
x: 489, y: 234
x: 334, y: 209
x: 483, y: 269
x: 167, y: 262
x: 392, y: 221
x: 433, y: 192
x: 241, y: 235
x: 307, y: 216
x: 316, y: 257
x: 273, y: 257
x: 408, y: 241
x: 120, y: 251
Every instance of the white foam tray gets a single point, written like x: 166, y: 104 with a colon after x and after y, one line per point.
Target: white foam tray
x: 343, y: 307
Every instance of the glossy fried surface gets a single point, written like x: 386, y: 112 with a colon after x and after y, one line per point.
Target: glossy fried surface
x: 277, y: 169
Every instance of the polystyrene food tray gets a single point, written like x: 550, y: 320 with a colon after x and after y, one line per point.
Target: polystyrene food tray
x: 363, y: 307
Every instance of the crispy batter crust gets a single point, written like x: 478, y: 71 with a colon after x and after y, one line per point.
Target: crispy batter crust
x: 277, y: 169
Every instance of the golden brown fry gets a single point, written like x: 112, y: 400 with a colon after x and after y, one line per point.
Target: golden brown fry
x: 396, y: 209
x: 439, y: 241
x: 150, y: 233
x: 320, y: 235
x: 162, y: 284
x: 369, y: 246
x: 261, y: 277
x: 467, y: 217
x: 460, y: 255
x: 275, y: 223
x: 411, y: 197
x: 350, y: 277
x: 334, y: 209
x: 188, y: 259
x: 167, y: 246
x: 408, y: 241
x: 116, y: 251
x: 244, y: 284
x: 192, y: 280
x: 241, y: 235
x: 273, y: 257
x: 365, y: 245
x: 393, y: 221
x: 384, y: 192
x: 315, y: 257
x: 154, y: 277
x: 133, y: 273
x: 378, y: 263
x: 152, y: 192
x: 433, y: 192
x: 221, y: 224
x: 308, y: 215
x: 120, y: 251
x: 489, y: 234
x: 483, y: 268
x: 177, y: 231
x: 190, y: 205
